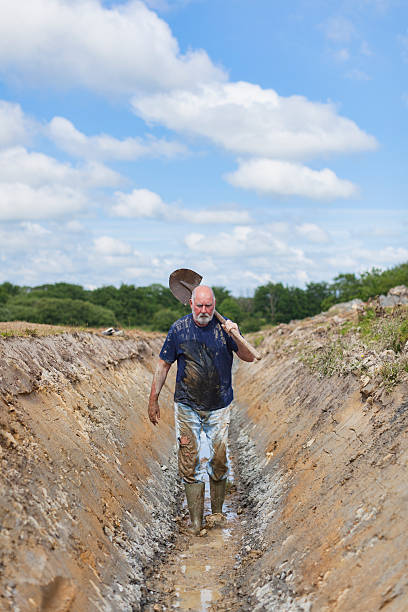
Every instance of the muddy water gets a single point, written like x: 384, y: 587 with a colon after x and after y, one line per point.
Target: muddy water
x: 194, y: 577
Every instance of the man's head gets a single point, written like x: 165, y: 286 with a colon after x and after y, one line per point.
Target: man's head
x: 202, y: 305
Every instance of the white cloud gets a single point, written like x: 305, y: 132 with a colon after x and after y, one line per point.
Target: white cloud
x: 116, y: 50
x: 244, y: 241
x: 106, y: 245
x: 74, y: 226
x: 22, y: 237
x: 34, y: 229
x: 64, y: 134
x: 393, y: 255
x: 20, y: 201
x: 245, y: 118
x: 36, y: 186
x: 15, y: 127
x: 273, y: 177
x: 35, y: 169
x: 312, y: 232
x: 145, y: 204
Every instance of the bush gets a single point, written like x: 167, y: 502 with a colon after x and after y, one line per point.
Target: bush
x: 250, y: 324
x: 163, y: 319
x: 54, y: 311
x: 230, y: 309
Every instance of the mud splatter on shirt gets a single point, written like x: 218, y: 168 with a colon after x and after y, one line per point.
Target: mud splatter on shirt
x: 204, y: 359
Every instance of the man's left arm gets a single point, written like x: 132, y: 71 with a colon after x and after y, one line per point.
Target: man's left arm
x: 243, y: 352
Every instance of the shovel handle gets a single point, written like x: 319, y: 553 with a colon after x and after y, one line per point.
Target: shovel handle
x: 239, y: 338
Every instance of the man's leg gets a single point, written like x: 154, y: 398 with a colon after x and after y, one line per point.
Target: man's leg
x: 188, y: 430
x: 216, y: 426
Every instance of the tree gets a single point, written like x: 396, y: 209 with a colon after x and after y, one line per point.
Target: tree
x: 163, y: 319
x: 230, y: 309
x: 221, y: 293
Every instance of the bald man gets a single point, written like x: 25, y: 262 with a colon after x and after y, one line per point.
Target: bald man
x: 204, y: 351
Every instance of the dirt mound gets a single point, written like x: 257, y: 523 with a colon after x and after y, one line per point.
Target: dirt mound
x: 87, y: 484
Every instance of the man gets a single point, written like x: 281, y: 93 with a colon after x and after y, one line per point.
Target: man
x: 204, y: 353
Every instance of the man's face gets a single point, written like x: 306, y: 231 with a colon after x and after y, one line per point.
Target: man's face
x: 203, y: 306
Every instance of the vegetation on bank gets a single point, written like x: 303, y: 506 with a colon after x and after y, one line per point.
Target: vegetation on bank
x: 154, y: 307
x: 373, y: 346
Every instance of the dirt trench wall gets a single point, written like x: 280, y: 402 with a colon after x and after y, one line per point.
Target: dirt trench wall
x: 87, y: 483
x: 326, y: 479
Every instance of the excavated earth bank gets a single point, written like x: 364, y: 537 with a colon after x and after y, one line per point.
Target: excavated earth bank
x: 88, y: 493
x: 89, y: 496
x: 324, y: 468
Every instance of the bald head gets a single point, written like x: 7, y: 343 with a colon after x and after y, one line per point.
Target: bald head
x: 202, y: 305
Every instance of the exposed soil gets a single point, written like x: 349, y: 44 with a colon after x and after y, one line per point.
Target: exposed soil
x: 90, y: 503
x: 197, y: 574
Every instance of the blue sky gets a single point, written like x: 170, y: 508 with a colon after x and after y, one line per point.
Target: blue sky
x: 250, y: 140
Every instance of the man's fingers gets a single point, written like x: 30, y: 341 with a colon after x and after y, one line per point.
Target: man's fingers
x: 154, y: 415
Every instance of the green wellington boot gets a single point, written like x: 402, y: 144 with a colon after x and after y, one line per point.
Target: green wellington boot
x: 195, y: 502
x: 217, y: 491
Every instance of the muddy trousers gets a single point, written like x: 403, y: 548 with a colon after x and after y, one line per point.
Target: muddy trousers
x: 189, y: 424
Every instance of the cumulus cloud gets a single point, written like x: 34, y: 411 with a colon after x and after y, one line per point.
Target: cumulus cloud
x: 15, y: 127
x: 116, y: 50
x: 20, y: 201
x: 106, y: 245
x: 37, y: 186
x: 312, y: 232
x: 244, y: 241
x: 244, y: 118
x: 22, y: 237
x: 145, y: 204
x: 35, y: 169
x: 64, y: 134
x: 274, y: 177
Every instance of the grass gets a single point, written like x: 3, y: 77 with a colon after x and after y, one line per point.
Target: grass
x: 387, y: 332
x: 344, y: 349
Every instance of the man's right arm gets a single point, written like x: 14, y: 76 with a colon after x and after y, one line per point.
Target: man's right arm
x: 159, y: 379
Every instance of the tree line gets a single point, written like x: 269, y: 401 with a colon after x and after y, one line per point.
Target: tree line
x: 154, y: 307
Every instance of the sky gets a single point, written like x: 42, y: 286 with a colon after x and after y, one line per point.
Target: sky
x: 252, y: 141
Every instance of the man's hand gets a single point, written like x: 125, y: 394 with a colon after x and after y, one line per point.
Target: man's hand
x: 243, y: 352
x: 154, y: 411
x: 159, y: 379
x: 228, y: 326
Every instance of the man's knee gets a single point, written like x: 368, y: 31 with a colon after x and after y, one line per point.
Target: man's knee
x: 187, y: 457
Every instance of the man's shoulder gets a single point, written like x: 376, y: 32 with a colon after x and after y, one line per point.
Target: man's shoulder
x: 182, y: 324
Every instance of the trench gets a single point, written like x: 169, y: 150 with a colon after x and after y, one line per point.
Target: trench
x: 91, y: 513
x: 197, y: 575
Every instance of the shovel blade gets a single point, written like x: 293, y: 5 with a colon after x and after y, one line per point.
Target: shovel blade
x: 182, y: 282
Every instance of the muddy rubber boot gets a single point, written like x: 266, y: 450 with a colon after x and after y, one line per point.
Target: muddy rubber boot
x: 195, y: 502
x: 217, y: 491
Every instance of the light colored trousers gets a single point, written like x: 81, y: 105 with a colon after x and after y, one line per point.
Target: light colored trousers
x: 189, y: 424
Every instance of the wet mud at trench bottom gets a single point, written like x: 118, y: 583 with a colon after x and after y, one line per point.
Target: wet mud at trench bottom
x: 197, y: 575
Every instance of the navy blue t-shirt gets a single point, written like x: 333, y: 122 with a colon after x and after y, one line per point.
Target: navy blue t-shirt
x: 204, y: 359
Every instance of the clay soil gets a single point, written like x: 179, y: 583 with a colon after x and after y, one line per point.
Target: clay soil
x: 91, y: 515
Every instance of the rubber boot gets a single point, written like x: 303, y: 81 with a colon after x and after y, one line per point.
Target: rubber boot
x: 217, y: 491
x: 195, y: 502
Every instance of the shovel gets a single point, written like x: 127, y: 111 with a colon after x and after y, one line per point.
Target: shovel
x: 182, y: 283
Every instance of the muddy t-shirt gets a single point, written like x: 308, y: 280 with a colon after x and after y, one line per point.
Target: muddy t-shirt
x: 204, y: 359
